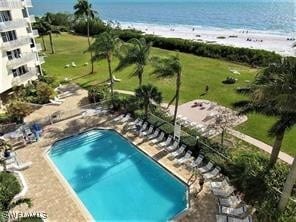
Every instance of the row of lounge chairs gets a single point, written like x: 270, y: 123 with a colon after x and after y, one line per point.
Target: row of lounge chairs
x: 231, y: 208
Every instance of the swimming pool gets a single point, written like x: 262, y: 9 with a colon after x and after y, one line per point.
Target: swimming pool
x: 116, y: 181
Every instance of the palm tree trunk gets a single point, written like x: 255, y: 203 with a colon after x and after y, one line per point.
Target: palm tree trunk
x: 276, y: 149
x: 290, y: 182
x: 140, y: 79
x: 178, y: 85
x: 44, y: 46
x: 146, y: 110
x: 91, y: 55
x: 111, y: 77
x: 51, y: 43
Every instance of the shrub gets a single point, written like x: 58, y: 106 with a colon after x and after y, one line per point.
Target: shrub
x: 96, y: 27
x: 18, y: 110
x: 44, y: 93
x: 97, y: 94
x: 229, y: 80
x: 9, y: 187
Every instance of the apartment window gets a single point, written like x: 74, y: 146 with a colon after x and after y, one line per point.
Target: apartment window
x: 5, y: 16
x: 14, y: 54
x: 20, y: 71
x: 8, y: 36
x: 25, y: 13
x: 32, y: 45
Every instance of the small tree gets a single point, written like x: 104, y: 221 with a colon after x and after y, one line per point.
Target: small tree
x: 44, y: 92
x: 147, y: 95
x: 18, y: 110
x: 4, y: 145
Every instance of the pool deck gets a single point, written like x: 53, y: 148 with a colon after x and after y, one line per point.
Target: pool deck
x: 51, y: 194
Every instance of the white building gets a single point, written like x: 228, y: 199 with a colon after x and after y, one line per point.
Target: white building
x: 19, y: 62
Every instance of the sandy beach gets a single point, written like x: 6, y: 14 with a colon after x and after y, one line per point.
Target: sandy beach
x: 279, y: 43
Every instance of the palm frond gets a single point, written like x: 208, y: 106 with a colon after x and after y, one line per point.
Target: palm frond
x: 26, y: 201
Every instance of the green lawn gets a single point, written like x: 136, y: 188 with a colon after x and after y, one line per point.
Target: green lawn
x: 197, y: 73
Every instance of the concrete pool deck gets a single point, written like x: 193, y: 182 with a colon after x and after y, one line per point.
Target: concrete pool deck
x: 49, y: 192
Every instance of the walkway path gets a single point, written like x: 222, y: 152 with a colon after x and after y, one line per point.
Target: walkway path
x: 263, y: 146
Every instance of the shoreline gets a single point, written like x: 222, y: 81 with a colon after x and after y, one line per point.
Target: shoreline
x: 279, y: 43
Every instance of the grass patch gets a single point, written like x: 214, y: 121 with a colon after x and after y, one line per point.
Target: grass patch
x: 198, y: 72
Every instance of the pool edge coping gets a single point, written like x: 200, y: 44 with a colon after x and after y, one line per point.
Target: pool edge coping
x: 76, y: 198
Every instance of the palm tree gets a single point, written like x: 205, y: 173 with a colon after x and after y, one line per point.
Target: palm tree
x: 135, y: 52
x: 104, y: 47
x: 83, y: 10
x: 42, y: 26
x: 272, y: 94
x: 147, y: 95
x: 50, y: 29
x: 167, y: 67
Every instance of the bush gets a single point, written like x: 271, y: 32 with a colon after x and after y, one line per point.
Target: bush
x: 229, y: 80
x: 96, y: 27
x: 18, y: 110
x: 97, y: 94
x: 9, y: 187
x: 44, y: 93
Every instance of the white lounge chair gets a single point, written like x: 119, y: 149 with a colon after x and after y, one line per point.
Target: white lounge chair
x: 144, y: 127
x: 147, y: 132
x: 224, y: 191
x: 167, y: 142
x: 206, y: 168
x: 54, y: 102
x: 154, y: 135
x: 212, y: 174
x: 196, y: 162
x: 232, y: 211
x: 219, y: 184
x: 126, y: 118
x: 231, y: 201
x: 158, y: 139
x: 56, y: 98
x: 115, y: 79
x: 185, y: 158
x: 134, y: 122
x: 172, y: 147
x: 235, y: 219
x: 178, y: 152
x: 221, y: 218
x: 73, y: 64
x: 18, y: 167
x: 118, y: 118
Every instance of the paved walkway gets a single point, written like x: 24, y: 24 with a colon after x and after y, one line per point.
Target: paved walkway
x: 263, y: 146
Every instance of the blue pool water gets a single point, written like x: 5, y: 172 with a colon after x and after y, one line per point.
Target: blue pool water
x: 115, y: 181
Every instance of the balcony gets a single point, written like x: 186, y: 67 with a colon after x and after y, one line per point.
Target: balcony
x: 38, y: 47
x: 10, y: 4
x: 31, y: 19
x: 13, y: 24
x: 24, y: 59
x: 30, y: 75
x: 27, y: 3
x: 35, y: 33
x: 16, y: 43
x: 40, y: 61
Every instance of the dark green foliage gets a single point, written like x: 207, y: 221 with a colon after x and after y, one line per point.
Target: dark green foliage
x: 96, y: 27
x: 9, y: 187
x: 229, y: 80
x: 97, y: 94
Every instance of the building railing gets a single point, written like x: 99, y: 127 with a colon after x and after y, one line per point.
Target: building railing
x: 41, y: 60
x: 27, y: 3
x: 10, y: 4
x: 16, y: 43
x: 24, y: 58
x: 32, y: 73
x: 35, y: 33
x: 32, y: 18
x: 12, y: 24
x: 38, y: 47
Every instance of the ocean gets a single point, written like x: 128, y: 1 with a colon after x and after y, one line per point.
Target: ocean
x: 272, y: 16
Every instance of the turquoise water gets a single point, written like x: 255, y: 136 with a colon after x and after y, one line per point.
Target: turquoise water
x: 274, y: 16
x: 115, y: 181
